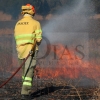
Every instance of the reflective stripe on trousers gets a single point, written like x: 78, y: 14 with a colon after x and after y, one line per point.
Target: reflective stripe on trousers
x: 28, y: 79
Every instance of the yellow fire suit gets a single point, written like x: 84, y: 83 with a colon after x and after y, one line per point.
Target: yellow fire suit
x: 26, y: 30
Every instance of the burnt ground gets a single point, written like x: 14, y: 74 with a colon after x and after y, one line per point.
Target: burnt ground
x: 53, y: 89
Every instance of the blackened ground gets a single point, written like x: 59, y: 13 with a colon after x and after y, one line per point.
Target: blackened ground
x: 53, y: 89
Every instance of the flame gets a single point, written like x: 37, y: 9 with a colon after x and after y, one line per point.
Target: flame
x: 70, y: 66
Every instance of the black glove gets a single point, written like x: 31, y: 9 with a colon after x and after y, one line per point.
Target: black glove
x: 38, y: 43
x: 31, y: 52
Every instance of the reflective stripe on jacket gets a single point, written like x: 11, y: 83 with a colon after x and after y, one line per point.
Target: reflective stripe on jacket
x: 24, y: 38
x: 26, y: 30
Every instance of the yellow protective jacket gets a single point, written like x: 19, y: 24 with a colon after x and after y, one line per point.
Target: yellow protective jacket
x: 26, y: 30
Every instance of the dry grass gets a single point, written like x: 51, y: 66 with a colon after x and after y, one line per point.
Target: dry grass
x: 4, y: 16
x: 6, y: 31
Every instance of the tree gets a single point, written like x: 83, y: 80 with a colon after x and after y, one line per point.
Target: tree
x: 97, y: 5
x: 44, y: 8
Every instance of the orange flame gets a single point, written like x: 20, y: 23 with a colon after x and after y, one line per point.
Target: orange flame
x: 70, y: 66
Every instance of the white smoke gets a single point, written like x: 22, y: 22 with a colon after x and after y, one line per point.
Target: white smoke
x: 71, y: 20
x: 70, y: 26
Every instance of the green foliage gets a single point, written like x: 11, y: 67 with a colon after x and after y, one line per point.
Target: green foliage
x: 42, y: 7
x: 97, y: 5
x: 13, y: 7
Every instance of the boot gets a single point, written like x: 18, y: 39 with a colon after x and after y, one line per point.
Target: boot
x: 25, y: 97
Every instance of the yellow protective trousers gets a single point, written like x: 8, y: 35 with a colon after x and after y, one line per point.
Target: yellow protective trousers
x: 28, y: 73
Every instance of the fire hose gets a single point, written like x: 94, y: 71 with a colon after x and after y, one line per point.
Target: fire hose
x: 4, y: 83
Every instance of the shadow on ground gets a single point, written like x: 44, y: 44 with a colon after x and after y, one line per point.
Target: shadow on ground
x: 48, y: 90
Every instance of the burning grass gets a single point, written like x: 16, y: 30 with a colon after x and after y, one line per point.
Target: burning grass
x: 70, y: 78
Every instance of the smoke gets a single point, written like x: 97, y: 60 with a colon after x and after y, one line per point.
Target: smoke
x: 80, y: 6
x: 68, y: 22
x: 70, y: 25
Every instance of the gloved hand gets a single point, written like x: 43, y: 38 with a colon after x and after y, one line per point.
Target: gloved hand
x: 31, y: 52
x: 38, y: 43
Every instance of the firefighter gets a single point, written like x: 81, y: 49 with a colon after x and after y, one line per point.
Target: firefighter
x: 26, y: 31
